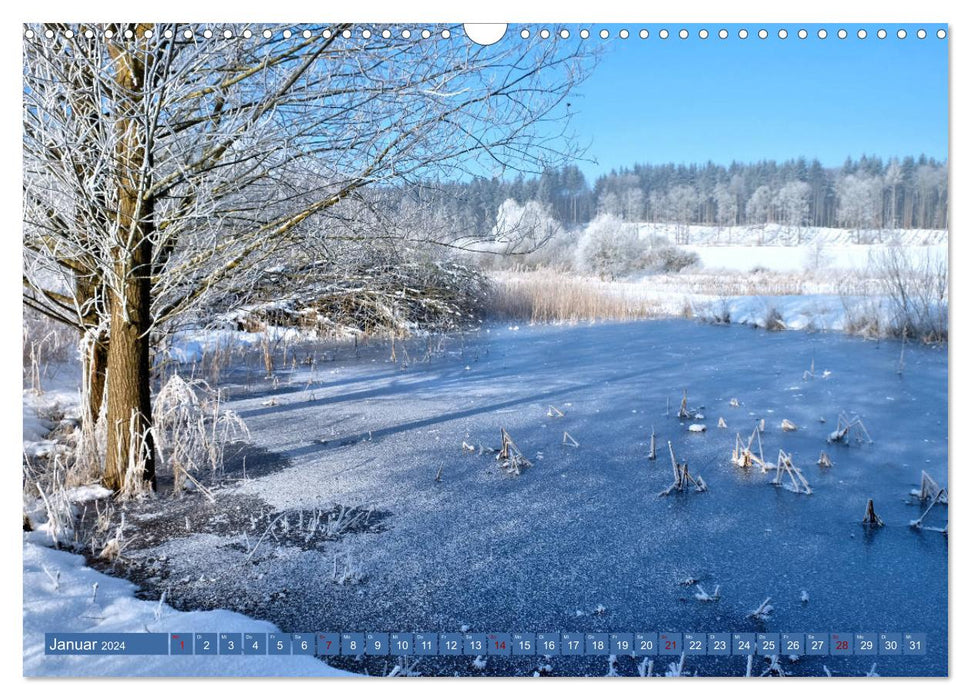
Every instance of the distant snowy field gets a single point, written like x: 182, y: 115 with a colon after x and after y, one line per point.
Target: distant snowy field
x: 786, y: 249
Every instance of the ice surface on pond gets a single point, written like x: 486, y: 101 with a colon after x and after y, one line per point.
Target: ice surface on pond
x: 467, y: 543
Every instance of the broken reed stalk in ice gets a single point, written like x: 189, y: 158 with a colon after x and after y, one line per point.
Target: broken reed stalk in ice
x: 929, y: 490
x: 569, y: 440
x: 788, y: 426
x: 846, y: 428
x: 705, y: 597
x: 682, y: 477
x: 743, y: 456
x: 554, y: 412
x: 903, y: 343
x: 676, y: 670
x: 940, y: 499
x: 652, y: 455
x: 510, y: 457
x: 797, y: 482
x: 824, y: 460
x: 685, y: 413
x: 763, y: 612
x: 870, y: 517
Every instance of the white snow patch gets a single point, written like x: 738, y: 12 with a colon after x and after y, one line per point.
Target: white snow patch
x: 69, y: 606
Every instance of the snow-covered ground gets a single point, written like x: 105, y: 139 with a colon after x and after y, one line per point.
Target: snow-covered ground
x: 581, y: 541
x: 61, y: 594
x: 774, y: 235
x: 796, y: 258
x: 788, y: 249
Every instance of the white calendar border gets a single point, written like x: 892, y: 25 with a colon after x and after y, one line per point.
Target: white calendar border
x: 603, y: 11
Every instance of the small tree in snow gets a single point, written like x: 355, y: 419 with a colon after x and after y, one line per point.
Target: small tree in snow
x: 610, y: 248
x: 759, y: 206
x: 792, y: 201
x: 525, y: 230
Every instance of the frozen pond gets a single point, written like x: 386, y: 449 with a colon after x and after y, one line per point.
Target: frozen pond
x: 585, y: 527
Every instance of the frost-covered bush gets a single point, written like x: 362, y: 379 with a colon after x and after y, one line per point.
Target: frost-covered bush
x: 191, y: 429
x: 610, y: 247
x: 915, y: 284
x: 527, y: 236
x: 389, y: 290
x: 670, y: 259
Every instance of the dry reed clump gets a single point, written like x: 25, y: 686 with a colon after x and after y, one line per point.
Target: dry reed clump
x: 549, y: 296
x: 46, y: 345
x: 191, y: 429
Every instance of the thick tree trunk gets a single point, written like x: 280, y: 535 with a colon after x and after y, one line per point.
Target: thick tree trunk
x: 131, y: 449
x: 129, y: 408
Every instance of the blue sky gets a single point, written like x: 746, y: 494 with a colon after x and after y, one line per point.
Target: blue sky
x: 693, y: 100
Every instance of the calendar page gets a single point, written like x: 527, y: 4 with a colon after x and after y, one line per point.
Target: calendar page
x: 485, y: 350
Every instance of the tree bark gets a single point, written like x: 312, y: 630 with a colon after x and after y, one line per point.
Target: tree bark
x: 95, y: 369
x: 129, y: 408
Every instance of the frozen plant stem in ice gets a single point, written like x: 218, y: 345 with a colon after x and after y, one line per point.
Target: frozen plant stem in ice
x: 705, y: 597
x: 763, y: 612
x: 511, y: 458
x: 870, y: 517
x: 682, y: 477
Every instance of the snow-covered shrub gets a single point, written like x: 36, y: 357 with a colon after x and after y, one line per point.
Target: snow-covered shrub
x: 915, y: 284
x: 191, y: 430
x: 670, y: 259
x: 773, y: 320
x: 389, y: 291
x: 523, y: 235
x: 610, y: 247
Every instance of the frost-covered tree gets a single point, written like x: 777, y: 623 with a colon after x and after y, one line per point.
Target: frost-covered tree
x: 759, y: 206
x: 610, y: 247
x: 162, y: 168
x: 726, y: 205
x: 792, y: 202
x: 859, y: 200
x: 682, y: 205
x: 524, y: 231
x: 611, y: 204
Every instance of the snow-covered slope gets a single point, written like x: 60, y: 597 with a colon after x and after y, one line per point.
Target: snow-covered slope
x: 61, y: 594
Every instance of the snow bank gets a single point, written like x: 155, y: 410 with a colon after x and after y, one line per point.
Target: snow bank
x: 794, y: 312
x: 39, y: 410
x: 193, y: 345
x: 59, y: 596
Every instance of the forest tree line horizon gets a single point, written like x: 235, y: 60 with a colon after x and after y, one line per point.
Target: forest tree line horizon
x: 864, y: 193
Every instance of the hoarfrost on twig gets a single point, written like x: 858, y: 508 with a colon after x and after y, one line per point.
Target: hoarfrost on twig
x: 763, y: 612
